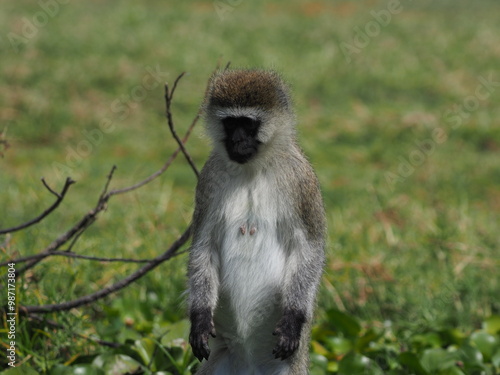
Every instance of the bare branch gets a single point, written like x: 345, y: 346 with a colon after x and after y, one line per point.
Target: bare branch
x: 3, y: 142
x: 168, y: 113
x: 160, y: 171
x: 102, y: 197
x: 49, y: 188
x: 73, y: 232
x: 69, y: 254
x: 91, y: 216
x: 60, y: 196
x: 175, y: 85
x: 169, y: 253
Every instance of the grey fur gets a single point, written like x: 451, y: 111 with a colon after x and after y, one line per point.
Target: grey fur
x: 276, y: 196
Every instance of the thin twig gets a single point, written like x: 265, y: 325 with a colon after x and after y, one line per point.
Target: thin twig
x: 168, y: 113
x: 60, y: 196
x: 171, y: 95
x: 169, y: 253
x: 163, y: 168
x: 69, y: 254
x: 50, y: 189
x: 91, y: 216
x: 102, y: 197
x: 75, y: 230
x: 5, y: 144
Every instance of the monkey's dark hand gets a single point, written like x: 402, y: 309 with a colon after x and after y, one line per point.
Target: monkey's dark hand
x: 202, y: 326
x: 288, y: 331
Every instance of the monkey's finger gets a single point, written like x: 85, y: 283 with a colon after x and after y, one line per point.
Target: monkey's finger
x: 285, y: 348
x: 213, y: 333
x: 198, y: 354
x: 278, y: 351
x: 281, y: 355
x: 206, y: 350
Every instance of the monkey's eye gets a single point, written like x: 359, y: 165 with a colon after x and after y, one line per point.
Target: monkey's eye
x: 247, y: 123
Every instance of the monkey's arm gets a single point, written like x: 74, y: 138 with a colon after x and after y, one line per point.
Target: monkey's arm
x: 203, y: 279
x: 304, y: 266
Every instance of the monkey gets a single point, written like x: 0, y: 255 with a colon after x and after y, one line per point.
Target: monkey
x: 257, y: 251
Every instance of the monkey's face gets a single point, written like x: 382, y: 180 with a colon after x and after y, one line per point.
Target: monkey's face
x: 240, y: 140
x: 248, y: 113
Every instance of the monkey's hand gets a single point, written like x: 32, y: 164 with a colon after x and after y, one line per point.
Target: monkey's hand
x: 288, y: 331
x: 202, y: 326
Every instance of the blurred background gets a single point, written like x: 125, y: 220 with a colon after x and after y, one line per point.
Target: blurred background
x: 398, y: 111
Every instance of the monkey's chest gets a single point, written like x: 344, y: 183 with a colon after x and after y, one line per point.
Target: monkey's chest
x: 252, y: 260
x: 249, y: 238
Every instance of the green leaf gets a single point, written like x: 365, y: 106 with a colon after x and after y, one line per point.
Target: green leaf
x: 492, y: 324
x: 437, y: 359
x: 319, y: 361
x: 452, y: 336
x: 357, y: 364
x: 145, y: 347
x: 427, y: 340
x: 178, y: 331
x: 486, y: 343
x: 369, y: 337
x: 317, y: 348
x: 344, y: 323
x: 20, y: 370
x: 411, y: 361
x: 496, y: 359
x: 82, y: 369
x: 452, y: 371
x: 470, y: 356
x: 338, y: 345
x: 117, y: 364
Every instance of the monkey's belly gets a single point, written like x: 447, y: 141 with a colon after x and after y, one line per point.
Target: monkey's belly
x: 249, y: 296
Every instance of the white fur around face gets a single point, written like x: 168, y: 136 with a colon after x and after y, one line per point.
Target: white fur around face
x: 270, y: 123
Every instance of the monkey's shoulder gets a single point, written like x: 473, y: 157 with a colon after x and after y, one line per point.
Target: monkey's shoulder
x: 303, y: 186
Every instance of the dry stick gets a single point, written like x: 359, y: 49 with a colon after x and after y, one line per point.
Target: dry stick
x: 60, y: 196
x: 91, y: 216
x: 160, y: 171
x: 168, y: 114
x: 52, y: 248
x: 115, y: 287
x: 82, y: 225
x: 68, y: 254
x: 172, y: 251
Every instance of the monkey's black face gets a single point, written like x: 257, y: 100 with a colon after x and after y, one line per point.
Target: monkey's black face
x: 241, y: 138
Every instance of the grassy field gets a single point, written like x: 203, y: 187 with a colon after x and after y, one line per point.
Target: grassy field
x: 398, y: 109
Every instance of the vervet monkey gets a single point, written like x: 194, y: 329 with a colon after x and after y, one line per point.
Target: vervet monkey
x: 258, y: 233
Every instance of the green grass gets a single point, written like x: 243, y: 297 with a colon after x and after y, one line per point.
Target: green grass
x: 416, y: 246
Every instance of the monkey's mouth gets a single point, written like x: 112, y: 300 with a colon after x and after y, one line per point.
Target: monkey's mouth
x: 242, y: 152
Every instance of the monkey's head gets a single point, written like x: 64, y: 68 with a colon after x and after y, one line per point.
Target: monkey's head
x: 247, y: 111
